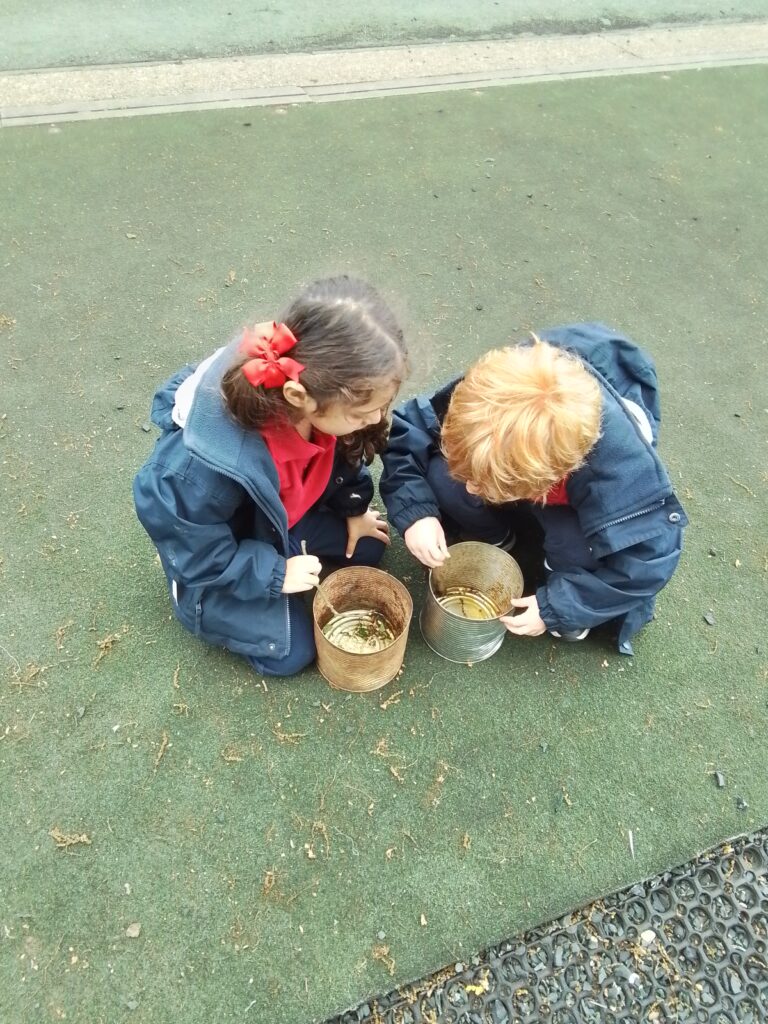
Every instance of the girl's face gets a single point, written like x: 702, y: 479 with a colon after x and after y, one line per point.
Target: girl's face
x: 340, y: 418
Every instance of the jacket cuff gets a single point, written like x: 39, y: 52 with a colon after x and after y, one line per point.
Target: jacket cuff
x: 546, y: 611
x: 278, y: 577
x: 413, y: 513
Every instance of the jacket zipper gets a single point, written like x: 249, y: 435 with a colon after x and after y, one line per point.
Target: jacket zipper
x: 240, y: 480
x: 633, y: 515
x: 268, y: 513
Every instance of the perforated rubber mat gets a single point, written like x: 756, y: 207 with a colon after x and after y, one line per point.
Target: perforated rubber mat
x: 686, y: 946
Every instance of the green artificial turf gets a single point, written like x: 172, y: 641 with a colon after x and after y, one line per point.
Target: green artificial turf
x: 285, y: 850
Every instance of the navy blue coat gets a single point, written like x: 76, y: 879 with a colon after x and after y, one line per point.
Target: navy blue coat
x: 209, y: 497
x: 622, y: 495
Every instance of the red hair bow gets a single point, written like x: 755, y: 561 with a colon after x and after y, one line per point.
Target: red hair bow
x: 267, y: 365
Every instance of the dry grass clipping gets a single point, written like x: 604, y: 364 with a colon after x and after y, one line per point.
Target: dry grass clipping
x: 164, y: 743
x: 381, y: 953
x: 29, y: 675
x: 63, y: 840
x: 106, y: 645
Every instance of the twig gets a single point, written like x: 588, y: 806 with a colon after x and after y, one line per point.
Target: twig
x: 743, y: 486
x: 162, y: 750
x: 9, y: 655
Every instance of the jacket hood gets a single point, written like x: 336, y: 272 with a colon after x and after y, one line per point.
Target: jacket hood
x: 185, y: 393
x: 192, y: 402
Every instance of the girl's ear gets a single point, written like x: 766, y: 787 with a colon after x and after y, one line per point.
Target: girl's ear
x: 296, y: 396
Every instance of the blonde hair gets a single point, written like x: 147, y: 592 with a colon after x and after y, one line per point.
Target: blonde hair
x: 520, y: 421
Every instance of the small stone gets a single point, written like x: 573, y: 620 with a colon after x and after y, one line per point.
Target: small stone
x: 133, y: 931
x: 719, y: 779
x: 132, y: 1004
x: 146, y: 427
x: 709, y: 618
x: 712, y: 552
x: 381, y: 935
x: 648, y: 937
x: 459, y: 968
x: 741, y: 803
x: 479, y: 306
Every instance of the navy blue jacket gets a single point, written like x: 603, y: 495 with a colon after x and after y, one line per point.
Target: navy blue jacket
x: 209, y: 497
x: 622, y: 495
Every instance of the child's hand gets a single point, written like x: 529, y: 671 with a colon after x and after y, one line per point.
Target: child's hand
x: 528, y: 622
x: 425, y: 540
x: 302, y: 572
x: 370, y: 524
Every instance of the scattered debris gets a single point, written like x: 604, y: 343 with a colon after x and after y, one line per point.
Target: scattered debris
x: 631, y: 839
x: 741, y: 804
x: 435, y: 791
x: 106, y: 645
x: 394, y: 699
x: 423, y: 920
x: 164, y: 744
x: 381, y: 953
x: 59, y: 635
x: 744, y: 487
x: 230, y: 753
x: 481, y: 987
x: 28, y: 675
x: 175, y: 680
x: 64, y: 840
x: 287, y: 737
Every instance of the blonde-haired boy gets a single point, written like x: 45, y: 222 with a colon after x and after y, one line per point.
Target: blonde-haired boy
x: 565, y: 427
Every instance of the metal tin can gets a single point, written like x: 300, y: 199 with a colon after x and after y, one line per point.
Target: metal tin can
x: 465, y: 597
x: 357, y: 591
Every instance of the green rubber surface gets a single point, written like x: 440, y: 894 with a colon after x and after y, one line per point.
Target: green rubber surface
x: 237, y: 851
x: 87, y: 32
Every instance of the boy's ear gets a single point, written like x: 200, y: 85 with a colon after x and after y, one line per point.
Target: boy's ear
x: 296, y: 396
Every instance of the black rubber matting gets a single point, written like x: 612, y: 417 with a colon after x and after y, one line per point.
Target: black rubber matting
x: 686, y: 946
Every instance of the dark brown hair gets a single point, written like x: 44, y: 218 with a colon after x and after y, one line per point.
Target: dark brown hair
x: 349, y: 344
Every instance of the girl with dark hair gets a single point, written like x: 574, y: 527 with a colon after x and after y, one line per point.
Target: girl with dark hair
x: 264, y: 446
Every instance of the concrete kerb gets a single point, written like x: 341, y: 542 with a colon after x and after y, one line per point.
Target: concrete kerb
x: 51, y: 96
